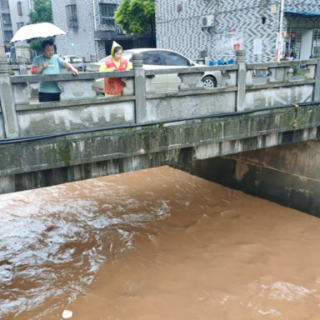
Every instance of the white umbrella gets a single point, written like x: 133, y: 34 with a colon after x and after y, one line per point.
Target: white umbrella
x: 37, y: 30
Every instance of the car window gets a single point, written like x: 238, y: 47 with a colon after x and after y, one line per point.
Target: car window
x: 174, y: 59
x: 152, y: 58
x: 126, y: 53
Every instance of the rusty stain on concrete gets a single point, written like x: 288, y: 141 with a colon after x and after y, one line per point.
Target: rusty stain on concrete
x: 241, y: 170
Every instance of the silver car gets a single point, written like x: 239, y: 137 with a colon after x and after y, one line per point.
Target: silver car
x: 75, y: 61
x: 160, y: 59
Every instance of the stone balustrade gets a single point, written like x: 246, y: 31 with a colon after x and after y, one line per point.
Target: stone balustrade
x: 80, y: 107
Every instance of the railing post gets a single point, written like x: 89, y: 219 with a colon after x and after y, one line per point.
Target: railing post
x: 9, y: 114
x: 22, y: 66
x: 140, y: 88
x: 316, y: 55
x: 93, y: 58
x: 242, y: 74
x: 18, y: 94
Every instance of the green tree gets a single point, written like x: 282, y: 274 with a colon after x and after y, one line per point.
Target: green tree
x: 41, y: 12
x: 136, y: 16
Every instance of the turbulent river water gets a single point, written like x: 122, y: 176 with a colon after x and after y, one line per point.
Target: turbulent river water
x: 155, y: 244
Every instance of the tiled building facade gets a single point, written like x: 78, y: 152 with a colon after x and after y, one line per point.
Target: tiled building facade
x: 78, y: 21
x: 90, y: 28
x: 6, y: 25
x: 14, y: 15
x: 252, y: 25
x: 19, y: 11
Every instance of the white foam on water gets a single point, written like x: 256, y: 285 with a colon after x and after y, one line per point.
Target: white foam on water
x: 39, y: 234
x: 287, y: 291
x: 272, y: 312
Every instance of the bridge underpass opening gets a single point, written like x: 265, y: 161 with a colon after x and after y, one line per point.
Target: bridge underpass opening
x: 287, y: 174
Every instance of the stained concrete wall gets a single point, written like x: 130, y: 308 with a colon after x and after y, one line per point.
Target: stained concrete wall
x: 278, y: 96
x: 48, y: 160
x: 185, y: 106
x: 287, y: 174
x: 2, y: 134
x: 49, y: 119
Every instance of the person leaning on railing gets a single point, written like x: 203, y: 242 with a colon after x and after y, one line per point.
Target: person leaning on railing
x: 114, y: 86
x: 50, y: 63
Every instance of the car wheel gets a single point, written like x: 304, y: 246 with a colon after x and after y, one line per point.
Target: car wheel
x: 209, y: 82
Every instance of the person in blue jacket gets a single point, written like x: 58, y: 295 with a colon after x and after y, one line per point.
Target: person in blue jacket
x: 50, y: 63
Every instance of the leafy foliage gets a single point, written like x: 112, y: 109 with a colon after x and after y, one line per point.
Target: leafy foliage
x: 41, y: 12
x: 136, y: 16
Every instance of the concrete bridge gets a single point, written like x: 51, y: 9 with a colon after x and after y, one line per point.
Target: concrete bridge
x: 256, y: 134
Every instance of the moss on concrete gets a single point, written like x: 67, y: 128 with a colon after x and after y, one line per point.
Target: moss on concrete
x: 63, y: 152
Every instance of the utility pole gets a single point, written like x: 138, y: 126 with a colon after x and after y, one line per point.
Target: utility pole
x: 280, y: 37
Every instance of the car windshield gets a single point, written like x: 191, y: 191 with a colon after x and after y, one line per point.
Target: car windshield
x: 174, y: 59
x: 125, y: 54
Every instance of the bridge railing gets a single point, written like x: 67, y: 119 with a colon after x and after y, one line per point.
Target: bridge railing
x: 80, y: 107
x: 286, y: 82
x: 241, y: 88
x: 73, y: 87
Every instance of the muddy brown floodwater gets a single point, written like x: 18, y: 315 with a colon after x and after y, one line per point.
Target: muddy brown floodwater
x: 155, y: 244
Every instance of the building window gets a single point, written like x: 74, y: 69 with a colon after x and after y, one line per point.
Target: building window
x: 20, y: 25
x: 107, y: 13
x: 72, y: 16
x: 19, y: 8
x: 8, y: 36
x: 6, y: 19
x: 316, y: 38
x: 4, y: 4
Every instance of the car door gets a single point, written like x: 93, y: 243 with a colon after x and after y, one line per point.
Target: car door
x: 173, y: 60
x: 152, y: 61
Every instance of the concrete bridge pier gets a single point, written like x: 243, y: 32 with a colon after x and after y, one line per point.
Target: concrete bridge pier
x: 288, y: 174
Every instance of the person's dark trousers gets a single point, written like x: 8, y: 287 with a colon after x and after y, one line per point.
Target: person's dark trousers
x: 45, y: 96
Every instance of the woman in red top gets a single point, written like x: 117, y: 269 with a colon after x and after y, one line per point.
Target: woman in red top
x: 114, y: 86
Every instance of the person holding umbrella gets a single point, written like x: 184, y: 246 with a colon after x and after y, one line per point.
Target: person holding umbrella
x: 50, y: 63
